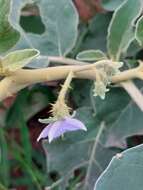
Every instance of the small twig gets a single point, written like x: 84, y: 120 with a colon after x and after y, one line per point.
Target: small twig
x: 134, y: 93
x: 66, y: 61
x: 93, y: 152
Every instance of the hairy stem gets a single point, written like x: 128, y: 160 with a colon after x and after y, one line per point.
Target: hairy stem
x: 65, y: 87
x: 25, y: 77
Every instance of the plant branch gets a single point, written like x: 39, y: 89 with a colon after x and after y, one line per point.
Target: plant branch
x: 66, y: 61
x: 93, y: 154
x: 134, y: 93
x: 25, y: 77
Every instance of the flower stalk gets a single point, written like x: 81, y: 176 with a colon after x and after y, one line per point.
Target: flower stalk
x: 65, y: 86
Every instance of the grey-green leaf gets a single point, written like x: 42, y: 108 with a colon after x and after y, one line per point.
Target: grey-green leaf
x: 18, y: 59
x: 111, y: 5
x: 61, y: 25
x: 120, y: 31
x: 122, y: 116
x: 61, y: 28
x: 15, y: 13
x: 124, y: 172
x: 91, y: 55
x: 98, y: 32
x: 8, y: 35
x: 139, y: 31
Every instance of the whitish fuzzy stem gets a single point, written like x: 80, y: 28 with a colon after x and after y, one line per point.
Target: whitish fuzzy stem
x: 25, y: 77
x: 65, y: 87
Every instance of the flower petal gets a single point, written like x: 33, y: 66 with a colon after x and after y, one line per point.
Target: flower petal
x: 74, y: 124
x: 65, y: 125
x: 56, y: 130
x: 44, y: 132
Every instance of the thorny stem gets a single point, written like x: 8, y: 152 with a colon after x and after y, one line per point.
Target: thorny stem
x: 25, y: 77
x: 69, y: 78
x: 65, y: 86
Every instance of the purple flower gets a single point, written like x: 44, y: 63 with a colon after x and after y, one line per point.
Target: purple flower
x: 58, y: 128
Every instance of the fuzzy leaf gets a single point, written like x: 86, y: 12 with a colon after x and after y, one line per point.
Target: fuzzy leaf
x: 139, y: 31
x: 111, y: 5
x: 91, y: 55
x: 124, y: 171
x: 120, y: 31
x: 17, y: 59
x: 122, y: 117
x: 57, y: 39
x: 8, y: 35
x: 97, y: 33
x: 15, y: 13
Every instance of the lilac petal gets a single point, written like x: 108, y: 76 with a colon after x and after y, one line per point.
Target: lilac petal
x: 65, y: 125
x: 44, y: 132
x: 56, y: 130
x: 74, y: 124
